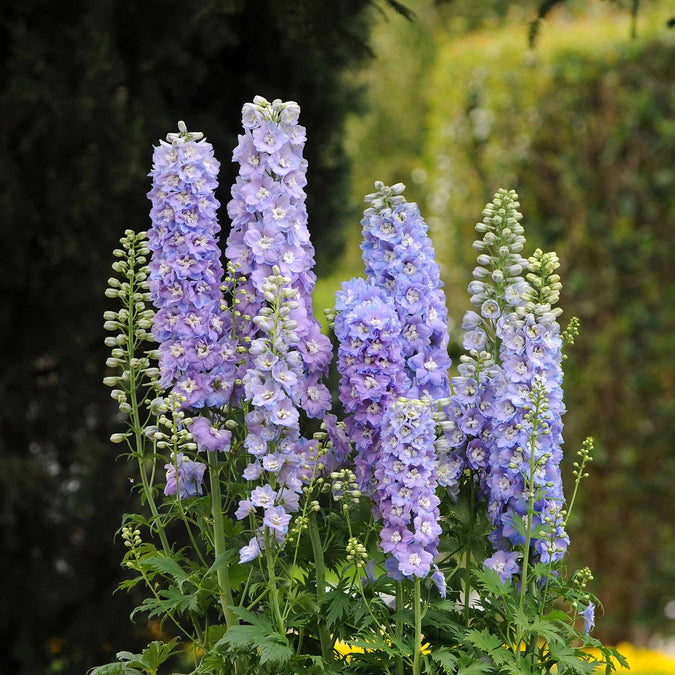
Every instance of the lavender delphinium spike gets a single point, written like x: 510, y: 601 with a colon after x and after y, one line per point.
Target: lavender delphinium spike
x: 371, y: 366
x: 496, y: 289
x: 269, y: 228
x: 527, y: 418
x: 196, y: 354
x: 406, y: 492
x: 400, y: 259
x: 279, y: 454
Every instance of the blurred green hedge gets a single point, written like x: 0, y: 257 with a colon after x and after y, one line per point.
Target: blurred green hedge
x: 584, y: 129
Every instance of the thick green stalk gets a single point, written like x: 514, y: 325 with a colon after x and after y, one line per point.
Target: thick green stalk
x: 223, y: 574
x: 320, y: 570
x: 417, y: 659
x: 399, y: 625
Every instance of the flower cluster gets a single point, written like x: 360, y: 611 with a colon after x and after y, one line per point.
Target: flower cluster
x: 371, y: 366
x: 406, y: 488
x: 496, y: 290
x: 274, y: 387
x: 195, y: 355
x: 183, y: 476
x: 527, y: 418
x: 269, y: 228
x: 504, y: 414
x: 400, y: 259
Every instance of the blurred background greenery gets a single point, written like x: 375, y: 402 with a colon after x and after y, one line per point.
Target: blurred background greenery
x: 454, y: 104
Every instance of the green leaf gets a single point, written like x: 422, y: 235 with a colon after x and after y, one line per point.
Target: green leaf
x: 223, y: 560
x: 259, y: 620
x: 490, y: 583
x: 373, y: 643
x: 575, y: 661
x: 275, y: 649
x: 272, y: 647
x: 172, y: 600
x: 476, y: 668
x: 445, y: 658
x: 618, y: 656
x: 114, y: 669
x: 557, y: 616
x: 484, y: 640
x: 545, y: 629
x: 148, y: 661
x: 338, y: 603
x: 157, y: 652
x: 167, y: 566
x: 241, y: 637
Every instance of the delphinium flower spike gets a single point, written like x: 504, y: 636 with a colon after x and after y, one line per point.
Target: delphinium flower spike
x: 196, y: 355
x: 269, y: 228
x: 524, y: 479
x: 495, y: 290
x: 400, y: 259
x: 406, y: 488
x: 281, y: 459
x: 371, y: 366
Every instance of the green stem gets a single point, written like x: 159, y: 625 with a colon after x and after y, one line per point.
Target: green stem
x: 320, y: 570
x: 577, y: 482
x: 399, y: 625
x: 530, y: 511
x: 151, y: 502
x: 272, y: 583
x: 469, y: 544
x: 223, y: 574
x: 417, y: 659
x: 138, y: 434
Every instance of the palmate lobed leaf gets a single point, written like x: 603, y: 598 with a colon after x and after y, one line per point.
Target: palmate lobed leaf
x: 172, y: 600
x: 157, y: 652
x: 271, y: 647
x: 223, y: 561
x: 275, y: 649
x: 445, y: 659
x: 475, y: 668
x: 148, y: 661
x: 571, y: 660
x: 338, y: 603
x: 115, y: 669
x: 167, y: 566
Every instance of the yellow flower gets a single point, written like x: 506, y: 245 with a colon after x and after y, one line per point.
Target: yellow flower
x: 642, y: 661
x: 345, y: 649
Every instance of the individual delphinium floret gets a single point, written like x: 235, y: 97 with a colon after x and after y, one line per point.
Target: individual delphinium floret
x: 196, y: 355
x: 269, y: 228
x: 524, y: 482
x: 371, y: 367
x: 184, y: 476
x: 400, y: 259
x: 495, y: 290
x: 282, y: 461
x: 406, y: 489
